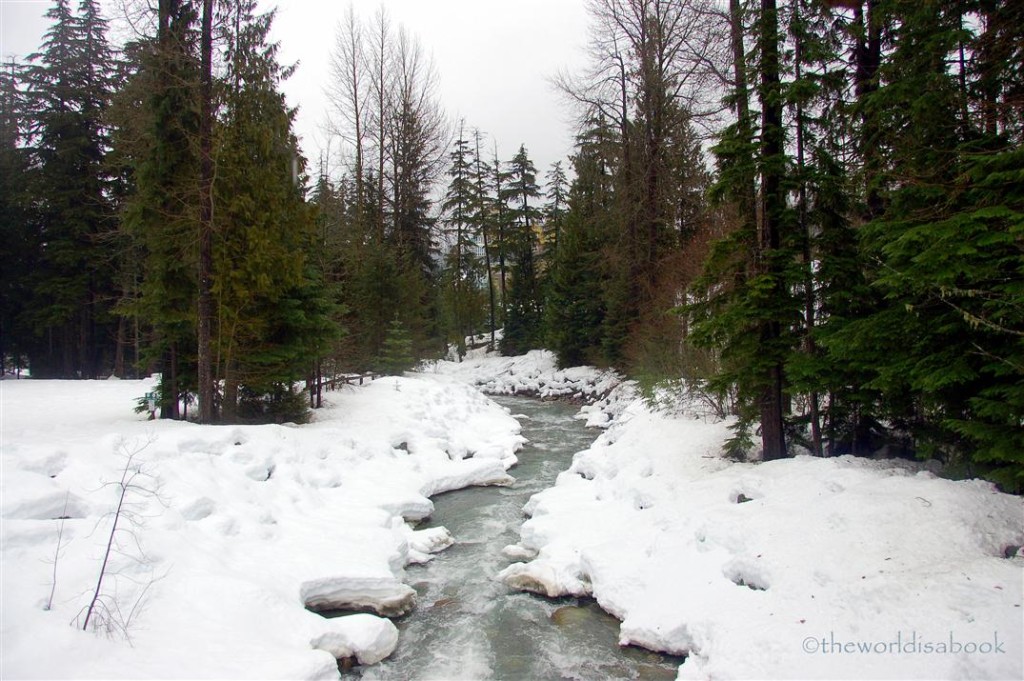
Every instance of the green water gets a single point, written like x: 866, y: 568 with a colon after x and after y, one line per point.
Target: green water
x: 466, y: 625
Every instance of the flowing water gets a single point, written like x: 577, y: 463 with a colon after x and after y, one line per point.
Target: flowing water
x: 466, y: 625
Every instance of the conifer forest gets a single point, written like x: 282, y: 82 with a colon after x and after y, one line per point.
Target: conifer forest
x: 808, y: 214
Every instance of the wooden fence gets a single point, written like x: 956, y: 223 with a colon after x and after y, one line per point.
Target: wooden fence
x: 316, y: 388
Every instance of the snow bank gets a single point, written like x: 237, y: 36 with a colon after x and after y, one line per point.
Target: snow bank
x: 801, y: 568
x: 228, y: 532
x: 535, y: 374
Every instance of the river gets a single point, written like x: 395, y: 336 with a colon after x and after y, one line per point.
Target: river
x: 466, y: 625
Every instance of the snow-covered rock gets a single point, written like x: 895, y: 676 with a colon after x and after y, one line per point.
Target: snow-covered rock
x: 387, y: 597
x: 365, y: 637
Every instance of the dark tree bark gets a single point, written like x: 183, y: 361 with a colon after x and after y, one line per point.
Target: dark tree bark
x: 868, y: 57
x: 809, y: 298
x: 773, y: 438
x: 207, y: 413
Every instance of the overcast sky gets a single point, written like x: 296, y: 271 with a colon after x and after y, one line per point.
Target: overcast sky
x: 494, y: 59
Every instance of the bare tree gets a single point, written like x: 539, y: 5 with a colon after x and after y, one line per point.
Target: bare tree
x: 384, y: 92
x: 108, y: 611
x: 655, y: 76
x: 348, y: 93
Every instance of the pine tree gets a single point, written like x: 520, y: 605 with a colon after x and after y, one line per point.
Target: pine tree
x: 396, y: 354
x: 574, y: 305
x: 939, y: 350
x: 159, y: 216
x: 482, y: 220
x: 18, y: 247
x: 271, y: 315
x: 525, y: 303
x: 462, y: 295
x: 557, y: 194
x: 69, y: 89
x: 501, y: 228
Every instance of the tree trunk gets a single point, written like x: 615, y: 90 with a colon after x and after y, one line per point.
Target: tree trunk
x: 229, y: 404
x: 868, y: 57
x: 207, y: 412
x: 169, y: 380
x: 773, y: 438
x: 809, y: 298
x: 122, y: 340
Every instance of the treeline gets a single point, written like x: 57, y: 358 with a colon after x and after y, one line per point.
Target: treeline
x: 154, y: 212
x: 807, y: 213
x: 849, y: 277
x: 159, y: 217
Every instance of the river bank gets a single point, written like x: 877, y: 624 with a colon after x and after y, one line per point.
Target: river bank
x: 801, y: 568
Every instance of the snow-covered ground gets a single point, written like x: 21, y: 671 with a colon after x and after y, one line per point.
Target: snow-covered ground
x: 801, y: 568
x: 226, y: 533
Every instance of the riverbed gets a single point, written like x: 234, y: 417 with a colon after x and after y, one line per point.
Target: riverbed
x: 467, y: 625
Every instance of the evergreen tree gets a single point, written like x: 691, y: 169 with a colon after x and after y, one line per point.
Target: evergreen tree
x: 574, y: 305
x: 525, y: 303
x: 482, y: 220
x: 557, y: 194
x: 462, y: 295
x: 270, y: 314
x: 18, y: 247
x: 160, y: 216
x: 501, y: 228
x: 940, y: 350
x: 69, y: 89
x: 396, y: 354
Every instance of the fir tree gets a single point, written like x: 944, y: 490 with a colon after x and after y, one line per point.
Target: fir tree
x: 557, y: 194
x: 574, y: 306
x: 159, y: 216
x: 482, y: 220
x: 69, y: 89
x: 462, y: 266
x: 270, y: 314
x: 18, y: 247
x: 396, y: 354
x: 524, y: 307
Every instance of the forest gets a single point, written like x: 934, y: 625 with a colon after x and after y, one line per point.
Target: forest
x: 807, y: 214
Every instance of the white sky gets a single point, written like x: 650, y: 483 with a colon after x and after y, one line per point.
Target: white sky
x: 494, y: 59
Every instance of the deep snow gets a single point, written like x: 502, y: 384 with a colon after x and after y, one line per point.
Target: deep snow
x: 802, y: 568
x: 229, y: 531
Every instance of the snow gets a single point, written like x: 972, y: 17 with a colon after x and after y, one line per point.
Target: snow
x: 227, y: 532
x: 801, y: 568
x: 367, y: 638
x: 534, y: 374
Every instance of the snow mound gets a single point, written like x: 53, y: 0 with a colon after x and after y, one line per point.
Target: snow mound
x: 535, y: 374
x: 367, y: 638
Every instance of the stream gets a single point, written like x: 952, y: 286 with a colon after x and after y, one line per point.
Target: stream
x: 466, y: 625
